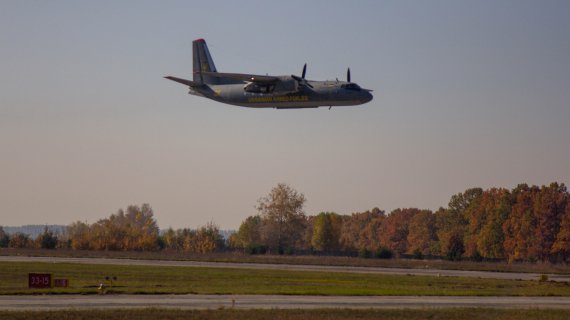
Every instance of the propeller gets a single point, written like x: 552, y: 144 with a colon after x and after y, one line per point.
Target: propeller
x: 348, y: 75
x: 301, y: 79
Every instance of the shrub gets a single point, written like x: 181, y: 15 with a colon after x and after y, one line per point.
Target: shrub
x: 384, y: 253
x: 364, y: 253
x: 418, y: 254
x: 255, y: 249
x: 477, y: 256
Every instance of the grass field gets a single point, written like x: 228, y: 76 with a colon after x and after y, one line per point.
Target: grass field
x: 305, y: 260
x: 84, y: 279
x: 328, y: 314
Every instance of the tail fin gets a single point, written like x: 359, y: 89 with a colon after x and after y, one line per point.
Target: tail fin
x: 202, y: 62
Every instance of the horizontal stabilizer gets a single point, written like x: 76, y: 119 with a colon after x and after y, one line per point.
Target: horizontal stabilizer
x: 189, y: 83
x: 243, y: 77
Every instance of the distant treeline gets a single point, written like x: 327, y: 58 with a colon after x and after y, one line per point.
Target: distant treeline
x: 528, y: 223
x: 34, y: 230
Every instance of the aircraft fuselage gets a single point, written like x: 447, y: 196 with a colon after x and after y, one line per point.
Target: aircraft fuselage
x: 323, y: 93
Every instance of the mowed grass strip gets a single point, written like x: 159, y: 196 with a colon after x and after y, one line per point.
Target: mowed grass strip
x: 318, y: 314
x: 84, y: 279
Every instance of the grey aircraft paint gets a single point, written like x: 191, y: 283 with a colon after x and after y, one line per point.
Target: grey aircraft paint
x: 257, y: 91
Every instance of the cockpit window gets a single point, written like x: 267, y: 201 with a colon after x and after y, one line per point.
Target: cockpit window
x: 351, y: 86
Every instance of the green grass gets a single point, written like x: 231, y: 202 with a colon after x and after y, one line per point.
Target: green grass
x: 322, y: 314
x: 179, y: 280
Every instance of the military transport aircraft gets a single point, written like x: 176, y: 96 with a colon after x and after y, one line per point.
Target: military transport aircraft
x: 258, y: 91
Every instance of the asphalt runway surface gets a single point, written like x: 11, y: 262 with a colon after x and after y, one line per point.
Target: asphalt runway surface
x: 55, y: 302
x: 348, y: 269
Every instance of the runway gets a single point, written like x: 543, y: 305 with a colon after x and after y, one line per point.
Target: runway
x: 55, y: 302
x: 348, y: 269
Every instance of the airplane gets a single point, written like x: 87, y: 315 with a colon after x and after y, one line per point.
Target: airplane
x: 259, y: 91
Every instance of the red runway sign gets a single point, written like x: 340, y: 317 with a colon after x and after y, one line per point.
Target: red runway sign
x: 61, y: 283
x: 39, y: 280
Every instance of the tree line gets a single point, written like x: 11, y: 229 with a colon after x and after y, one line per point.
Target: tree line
x: 133, y: 229
x: 527, y: 223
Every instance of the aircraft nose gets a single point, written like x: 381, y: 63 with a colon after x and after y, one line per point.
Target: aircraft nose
x: 366, y: 97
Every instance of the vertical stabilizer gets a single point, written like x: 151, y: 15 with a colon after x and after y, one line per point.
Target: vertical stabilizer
x: 202, y: 62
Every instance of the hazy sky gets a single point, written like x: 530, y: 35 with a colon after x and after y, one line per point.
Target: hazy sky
x: 466, y: 93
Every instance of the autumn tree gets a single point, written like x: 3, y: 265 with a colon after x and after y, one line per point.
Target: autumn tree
x: 360, y: 231
x: 491, y: 239
x: 170, y: 240
x: 486, y: 214
x: 561, y: 247
x: 519, y: 226
x: 451, y: 223
x: 20, y: 240
x: 205, y: 239
x: 422, y: 236
x: 135, y: 229
x: 549, y: 206
x: 79, y: 235
x: 208, y: 239
x: 307, y: 237
x: 326, y: 232
x: 394, y: 229
x: 283, y: 218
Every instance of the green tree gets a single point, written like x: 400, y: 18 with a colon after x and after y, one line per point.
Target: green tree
x: 283, y: 217
x: 4, y: 239
x: 46, y: 240
x: 249, y: 233
x: 326, y: 232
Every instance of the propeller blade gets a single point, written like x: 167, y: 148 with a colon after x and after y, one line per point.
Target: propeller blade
x: 348, y: 75
x: 301, y: 80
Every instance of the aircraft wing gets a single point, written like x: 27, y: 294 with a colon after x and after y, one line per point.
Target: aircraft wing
x: 244, y: 77
x: 189, y: 83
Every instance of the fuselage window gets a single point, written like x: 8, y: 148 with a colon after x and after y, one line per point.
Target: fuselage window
x: 350, y: 86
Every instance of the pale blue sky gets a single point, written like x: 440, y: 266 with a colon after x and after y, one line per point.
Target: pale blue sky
x: 466, y: 93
